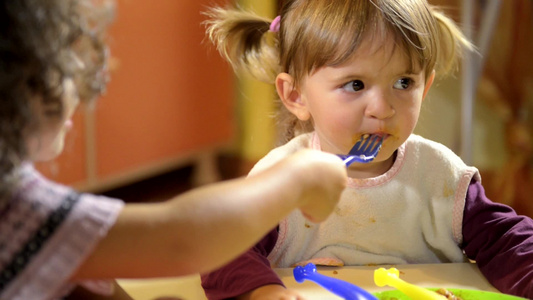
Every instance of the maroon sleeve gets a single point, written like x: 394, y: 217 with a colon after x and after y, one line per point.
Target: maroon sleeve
x: 248, y: 272
x: 500, y: 241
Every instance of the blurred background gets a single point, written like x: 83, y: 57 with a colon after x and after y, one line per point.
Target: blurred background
x: 175, y: 116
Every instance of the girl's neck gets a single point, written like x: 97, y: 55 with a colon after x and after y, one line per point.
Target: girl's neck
x: 371, y: 170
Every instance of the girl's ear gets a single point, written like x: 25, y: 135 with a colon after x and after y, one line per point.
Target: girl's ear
x: 291, y: 98
x: 429, y: 82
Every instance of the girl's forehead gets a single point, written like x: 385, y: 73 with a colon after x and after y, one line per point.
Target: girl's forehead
x: 382, y: 47
x: 375, y: 62
x: 371, y: 44
x: 323, y: 42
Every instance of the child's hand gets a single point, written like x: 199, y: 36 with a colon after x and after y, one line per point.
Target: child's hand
x: 324, y: 177
x: 271, y: 292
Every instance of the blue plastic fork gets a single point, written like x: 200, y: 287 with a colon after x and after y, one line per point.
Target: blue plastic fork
x: 338, y: 287
x: 364, y: 150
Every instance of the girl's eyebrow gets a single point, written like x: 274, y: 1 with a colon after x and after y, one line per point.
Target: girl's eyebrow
x: 410, y: 73
x: 348, y: 75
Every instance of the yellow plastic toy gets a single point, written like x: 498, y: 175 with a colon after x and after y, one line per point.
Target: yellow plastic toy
x: 391, y: 277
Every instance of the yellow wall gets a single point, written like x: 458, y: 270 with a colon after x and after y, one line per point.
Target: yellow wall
x: 256, y: 103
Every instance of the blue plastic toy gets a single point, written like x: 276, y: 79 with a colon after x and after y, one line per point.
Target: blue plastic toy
x: 338, y: 287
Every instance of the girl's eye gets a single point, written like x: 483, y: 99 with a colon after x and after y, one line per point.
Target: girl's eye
x: 403, y: 83
x: 354, y: 86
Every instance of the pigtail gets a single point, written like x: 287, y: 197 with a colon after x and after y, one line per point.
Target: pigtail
x: 242, y: 39
x: 451, y: 43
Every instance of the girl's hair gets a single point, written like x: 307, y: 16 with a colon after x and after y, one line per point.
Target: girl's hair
x: 315, y: 34
x: 41, y: 44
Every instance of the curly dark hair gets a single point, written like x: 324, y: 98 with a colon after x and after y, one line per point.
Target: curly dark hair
x: 42, y: 42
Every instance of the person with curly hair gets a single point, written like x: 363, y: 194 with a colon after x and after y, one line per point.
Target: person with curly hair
x: 55, y: 241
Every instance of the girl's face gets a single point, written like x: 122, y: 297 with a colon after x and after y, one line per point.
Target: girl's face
x: 47, y: 143
x: 374, y: 92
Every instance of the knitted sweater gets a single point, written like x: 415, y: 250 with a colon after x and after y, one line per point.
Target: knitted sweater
x: 46, y: 231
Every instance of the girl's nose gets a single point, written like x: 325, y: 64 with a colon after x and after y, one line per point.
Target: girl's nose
x: 379, y: 107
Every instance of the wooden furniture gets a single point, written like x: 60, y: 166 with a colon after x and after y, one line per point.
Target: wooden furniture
x: 169, y: 102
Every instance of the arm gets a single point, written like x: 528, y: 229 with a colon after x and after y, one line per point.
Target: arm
x: 500, y: 242
x: 79, y: 293
x: 246, y: 273
x: 249, y: 276
x: 207, y: 227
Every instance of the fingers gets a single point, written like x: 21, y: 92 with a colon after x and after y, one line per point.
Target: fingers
x: 324, y: 180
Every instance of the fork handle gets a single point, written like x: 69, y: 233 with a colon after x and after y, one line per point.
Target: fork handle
x: 349, y: 159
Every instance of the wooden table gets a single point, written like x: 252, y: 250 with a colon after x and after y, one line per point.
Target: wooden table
x: 453, y: 275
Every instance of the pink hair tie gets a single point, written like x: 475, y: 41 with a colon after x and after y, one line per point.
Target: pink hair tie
x: 274, y: 26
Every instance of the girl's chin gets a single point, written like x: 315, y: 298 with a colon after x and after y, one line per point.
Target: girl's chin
x: 50, y: 154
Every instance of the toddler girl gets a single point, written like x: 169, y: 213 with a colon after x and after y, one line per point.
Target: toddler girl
x: 343, y: 69
x: 52, y: 238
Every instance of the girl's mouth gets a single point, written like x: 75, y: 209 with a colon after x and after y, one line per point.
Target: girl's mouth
x: 383, y: 135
